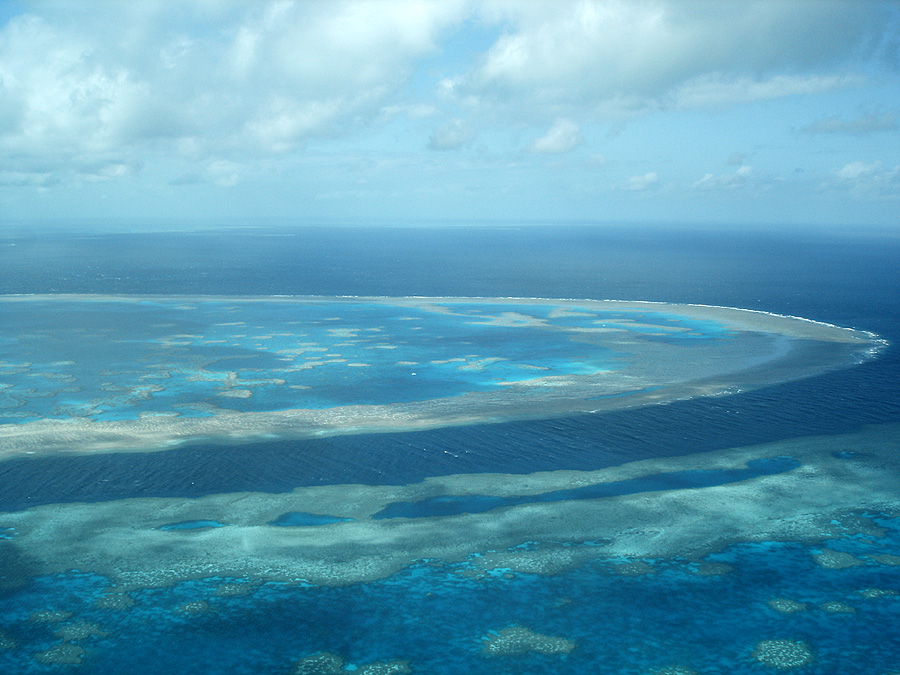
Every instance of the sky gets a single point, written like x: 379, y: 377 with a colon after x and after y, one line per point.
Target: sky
x: 743, y: 112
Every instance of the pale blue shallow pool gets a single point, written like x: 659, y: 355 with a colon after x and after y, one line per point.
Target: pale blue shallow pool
x: 118, y: 358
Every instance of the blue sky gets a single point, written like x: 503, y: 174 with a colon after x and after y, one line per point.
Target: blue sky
x: 774, y: 112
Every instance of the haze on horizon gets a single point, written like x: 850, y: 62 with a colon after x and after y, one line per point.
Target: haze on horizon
x: 772, y: 112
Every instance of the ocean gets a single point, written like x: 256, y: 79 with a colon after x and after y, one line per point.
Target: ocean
x: 769, y: 591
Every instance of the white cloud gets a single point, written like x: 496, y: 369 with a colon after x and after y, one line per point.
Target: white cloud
x: 563, y: 136
x: 453, y: 135
x: 864, y: 124
x: 866, y: 180
x: 216, y: 91
x: 857, y: 170
x: 223, y: 173
x: 731, y: 181
x: 56, y: 98
x: 27, y: 179
x: 716, y: 90
x: 212, y: 78
x: 617, y: 56
x: 413, y: 112
x: 640, y: 183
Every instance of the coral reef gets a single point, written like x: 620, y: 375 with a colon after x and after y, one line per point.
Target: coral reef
x: 114, y: 600
x: 835, y: 560
x: 836, y: 607
x: 516, y: 640
x: 783, y: 654
x: 545, y: 560
x: 872, y: 593
x: 323, y: 663
x: 7, y: 641
x: 233, y: 590
x: 80, y: 630
x: 633, y: 568
x: 63, y: 654
x: 193, y: 607
x: 326, y: 663
x: 786, y: 605
x: 49, y: 616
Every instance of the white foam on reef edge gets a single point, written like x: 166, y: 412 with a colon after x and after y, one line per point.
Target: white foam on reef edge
x: 135, y: 297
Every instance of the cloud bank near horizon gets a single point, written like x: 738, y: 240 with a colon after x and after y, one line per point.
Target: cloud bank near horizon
x: 408, y: 93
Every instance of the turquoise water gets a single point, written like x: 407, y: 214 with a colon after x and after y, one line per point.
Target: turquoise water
x: 625, y: 616
x: 108, y: 359
x: 677, y: 480
x: 436, y: 617
x: 302, y: 519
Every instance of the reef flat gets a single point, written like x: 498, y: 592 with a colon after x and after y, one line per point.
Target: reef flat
x: 86, y: 374
x: 833, y: 483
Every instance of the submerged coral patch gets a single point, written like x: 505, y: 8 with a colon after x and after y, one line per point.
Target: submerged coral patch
x: 114, y: 600
x: 835, y: 560
x: 837, y: 607
x: 326, y: 663
x: 786, y: 605
x: 783, y: 654
x: 193, y: 608
x: 7, y: 641
x: 518, y: 640
x: 65, y: 654
x: 632, y: 568
x: 49, y: 616
x: 80, y: 630
x: 874, y: 593
x: 319, y: 664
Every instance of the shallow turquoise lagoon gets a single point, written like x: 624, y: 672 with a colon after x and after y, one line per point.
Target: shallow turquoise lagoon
x: 117, y: 358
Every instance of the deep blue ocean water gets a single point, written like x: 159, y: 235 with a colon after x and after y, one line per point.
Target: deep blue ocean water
x: 431, y: 614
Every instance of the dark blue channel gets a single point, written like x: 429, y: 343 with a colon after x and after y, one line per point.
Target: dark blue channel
x: 192, y: 525
x: 676, y: 480
x: 303, y: 519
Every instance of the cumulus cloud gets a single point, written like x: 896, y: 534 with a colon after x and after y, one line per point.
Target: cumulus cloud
x: 864, y: 124
x: 27, y: 179
x: 719, y: 90
x: 208, y: 78
x: 451, y: 136
x: 639, y: 183
x: 563, y: 136
x: 618, y: 56
x: 856, y: 170
x: 866, y: 180
x: 223, y: 173
x: 93, y: 91
x: 731, y: 181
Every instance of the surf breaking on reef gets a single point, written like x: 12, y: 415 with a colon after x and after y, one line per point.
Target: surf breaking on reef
x: 148, y: 373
